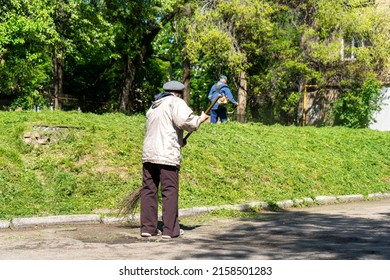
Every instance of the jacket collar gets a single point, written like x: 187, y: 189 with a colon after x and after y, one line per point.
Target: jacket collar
x: 160, y: 95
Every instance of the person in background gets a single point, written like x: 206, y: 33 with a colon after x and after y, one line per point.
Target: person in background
x: 166, y: 120
x: 219, y: 111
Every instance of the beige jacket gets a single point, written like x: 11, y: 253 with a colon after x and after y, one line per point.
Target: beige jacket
x: 165, y: 121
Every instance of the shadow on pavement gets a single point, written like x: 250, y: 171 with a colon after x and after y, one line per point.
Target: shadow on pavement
x: 298, y: 235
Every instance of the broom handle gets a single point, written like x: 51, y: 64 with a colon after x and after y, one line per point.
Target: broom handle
x: 206, y: 112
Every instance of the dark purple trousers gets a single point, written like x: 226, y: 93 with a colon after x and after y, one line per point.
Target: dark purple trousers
x: 168, y: 178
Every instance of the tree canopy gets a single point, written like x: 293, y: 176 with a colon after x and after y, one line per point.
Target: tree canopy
x: 114, y: 55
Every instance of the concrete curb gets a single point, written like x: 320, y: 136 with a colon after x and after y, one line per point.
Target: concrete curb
x: 379, y: 196
x: 96, y: 219
x: 4, y: 224
x: 55, y: 220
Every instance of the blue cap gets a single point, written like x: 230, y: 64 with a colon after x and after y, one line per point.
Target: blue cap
x: 223, y: 77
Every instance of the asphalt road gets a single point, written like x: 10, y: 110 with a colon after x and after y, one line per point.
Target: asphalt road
x: 349, y: 231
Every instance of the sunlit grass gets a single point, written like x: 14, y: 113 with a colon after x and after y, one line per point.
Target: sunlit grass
x: 95, y: 160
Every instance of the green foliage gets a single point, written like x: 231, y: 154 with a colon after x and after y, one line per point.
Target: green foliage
x: 308, y: 50
x: 25, y: 30
x: 93, y: 161
x: 356, y: 108
x: 107, y: 50
x: 225, y: 33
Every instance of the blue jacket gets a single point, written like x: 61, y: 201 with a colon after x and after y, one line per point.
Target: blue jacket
x: 224, y: 90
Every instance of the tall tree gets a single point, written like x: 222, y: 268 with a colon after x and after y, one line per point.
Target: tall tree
x: 348, y: 43
x: 84, y: 35
x: 137, y: 24
x: 39, y: 37
x: 226, y: 34
x: 89, y: 75
x: 25, y: 65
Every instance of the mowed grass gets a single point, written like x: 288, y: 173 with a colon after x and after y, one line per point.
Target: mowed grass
x: 92, y: 161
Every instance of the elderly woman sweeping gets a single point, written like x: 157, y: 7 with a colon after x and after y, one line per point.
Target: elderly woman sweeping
x: 166, y: 120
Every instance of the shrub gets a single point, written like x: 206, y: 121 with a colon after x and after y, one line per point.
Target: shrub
x: 356, y: 108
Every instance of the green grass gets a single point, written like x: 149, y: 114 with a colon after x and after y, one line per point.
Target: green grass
x: 94, y: 162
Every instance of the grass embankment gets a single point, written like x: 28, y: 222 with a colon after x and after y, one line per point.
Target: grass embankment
x: 93, y: 161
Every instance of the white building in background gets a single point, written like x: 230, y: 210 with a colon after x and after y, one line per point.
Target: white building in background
x: 383, y: 116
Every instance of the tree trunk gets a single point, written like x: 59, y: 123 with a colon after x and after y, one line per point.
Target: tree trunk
x: 126, y: 100
x: 302, y: 106
x: 127, y: 97
x: 186, y: 80
x: 242, y: 95
x: 58, y: 65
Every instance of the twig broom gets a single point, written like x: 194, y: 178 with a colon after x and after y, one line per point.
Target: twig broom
x: 129, y: 203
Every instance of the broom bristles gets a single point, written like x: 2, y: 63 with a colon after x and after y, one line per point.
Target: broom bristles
x: 129, y: 203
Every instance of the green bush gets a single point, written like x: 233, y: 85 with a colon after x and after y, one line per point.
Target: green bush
x: 356, y: 108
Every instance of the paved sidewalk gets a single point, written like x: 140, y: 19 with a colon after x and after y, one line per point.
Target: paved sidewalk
x: 355, y: 229
x: 96, y: 219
